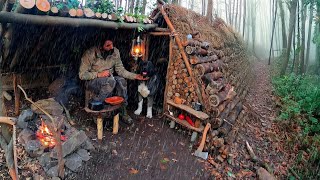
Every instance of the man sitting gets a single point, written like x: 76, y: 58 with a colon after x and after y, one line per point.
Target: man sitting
x: 97, y: 67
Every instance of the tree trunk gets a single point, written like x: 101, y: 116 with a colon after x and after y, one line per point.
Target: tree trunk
x: 144, y: 4
x: 240, y: 15
x: 244, y: 16
x: 309, y: 37
x: 203, y: 3
x: 273, y: 27
x: 131, y: 9
x: 303, y: 37
x: 253, y: 24
x: 136, y: 7
x: 292, y: 20
x: 236, y: 19
x: 192, y: 4
x: 297, y: 55
x: 209, y: 10
x: 283, y: 23
x: 317, y: 31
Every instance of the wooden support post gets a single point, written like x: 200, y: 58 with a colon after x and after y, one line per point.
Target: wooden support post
x: 100, y: 127
x: 1, y: 98
x: 115, y: 128
x: 167, y: 77
x: 17, y: 93
x: 184, y: 56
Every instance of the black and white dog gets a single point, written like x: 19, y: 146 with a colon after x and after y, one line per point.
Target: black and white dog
x: 147, y: 89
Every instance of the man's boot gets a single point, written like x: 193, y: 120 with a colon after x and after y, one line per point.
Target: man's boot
x: 125, y: 117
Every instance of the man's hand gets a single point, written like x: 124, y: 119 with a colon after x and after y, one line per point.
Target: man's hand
x: 105, y: 73
x: 140, y: 77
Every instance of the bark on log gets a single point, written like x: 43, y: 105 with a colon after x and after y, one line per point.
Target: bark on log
x: 213, y: 76
x: 230, y: 121
x: 199, y: 60
x: 10, y: 17
x: 219, y: 53
x: 196, y: 51
x: 191, y: 42
x: 209, y: 67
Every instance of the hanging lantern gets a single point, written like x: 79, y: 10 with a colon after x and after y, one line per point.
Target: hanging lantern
x: 137, y: 49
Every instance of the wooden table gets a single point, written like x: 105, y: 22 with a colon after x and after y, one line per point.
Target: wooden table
x: 98, y: 114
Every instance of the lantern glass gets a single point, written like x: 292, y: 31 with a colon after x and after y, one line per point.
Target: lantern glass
x: 137, y: 49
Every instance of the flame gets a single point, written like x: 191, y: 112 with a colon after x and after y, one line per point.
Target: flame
x: 46, y: 137
x: 137, y: 50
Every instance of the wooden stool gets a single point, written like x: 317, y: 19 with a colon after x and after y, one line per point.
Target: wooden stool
x: 98, y: 114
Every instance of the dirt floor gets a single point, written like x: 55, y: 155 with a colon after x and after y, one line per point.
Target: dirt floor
x: 148, y: 150
x: 151, y: 150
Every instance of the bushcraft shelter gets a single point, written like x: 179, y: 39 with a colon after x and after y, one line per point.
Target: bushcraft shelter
x: 202, y: 63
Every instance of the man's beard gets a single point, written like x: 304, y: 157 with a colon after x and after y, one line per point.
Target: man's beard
x: 105, y: 53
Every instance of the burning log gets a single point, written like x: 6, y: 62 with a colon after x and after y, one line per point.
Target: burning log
x: 196, y: 51
x: 191, y: 42
x: 209, y: 67
x: 56, y: 133
x: 199, y: 60
x: 229, y: 122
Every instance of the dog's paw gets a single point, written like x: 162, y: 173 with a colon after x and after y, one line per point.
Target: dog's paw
x: 137, y: 112
x: 149, y: 115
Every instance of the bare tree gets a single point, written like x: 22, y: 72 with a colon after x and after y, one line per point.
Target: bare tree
x: 292, y: 20
x: 244, y: 16
x: 209, y: 10
x: 253, y: 24
x: 144, y: 4
x: 303, y: 36
x: 203, y: 3
x: 309, y: 36
x: 283, y: 23
x: 273, y: 27
x: 236, y: 14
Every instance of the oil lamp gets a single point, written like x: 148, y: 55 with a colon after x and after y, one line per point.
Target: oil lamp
x: 137, y: 49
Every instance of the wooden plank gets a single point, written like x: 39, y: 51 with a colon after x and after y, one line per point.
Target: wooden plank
x: 16, y: 82
x: 160, y: 33
x: 198, y: 114
x: 185, y: 123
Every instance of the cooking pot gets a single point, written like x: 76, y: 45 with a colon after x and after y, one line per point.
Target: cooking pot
x: 95, y: 105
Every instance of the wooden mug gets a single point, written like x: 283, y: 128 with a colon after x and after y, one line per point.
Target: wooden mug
x: 179, y: 100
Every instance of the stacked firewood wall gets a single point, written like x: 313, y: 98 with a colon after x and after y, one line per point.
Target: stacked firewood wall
x: 179, y: 80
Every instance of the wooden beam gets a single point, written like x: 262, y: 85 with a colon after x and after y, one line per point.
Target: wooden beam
x: 198, y: 114
x: 1, y: 98
x: 167, y: 77
x: 16, y: 82
x: 27, y: 19
x: 158, y: 29
x: 160, y: 33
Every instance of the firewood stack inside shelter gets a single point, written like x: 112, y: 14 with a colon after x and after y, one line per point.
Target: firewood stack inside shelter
x: 205, y: 71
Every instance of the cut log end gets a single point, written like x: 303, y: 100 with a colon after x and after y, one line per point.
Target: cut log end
x: 27, y: 4
x: 72, y: 13
x: 43, y: 5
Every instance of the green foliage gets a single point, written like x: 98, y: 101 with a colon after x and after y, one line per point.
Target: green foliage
x: 72, y: 4
x: 300, y: 104
x: 105, y: 6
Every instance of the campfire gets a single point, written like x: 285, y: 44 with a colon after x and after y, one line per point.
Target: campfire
x: 46, y: 137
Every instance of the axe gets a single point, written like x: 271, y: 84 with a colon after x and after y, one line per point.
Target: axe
x: 199, y: 153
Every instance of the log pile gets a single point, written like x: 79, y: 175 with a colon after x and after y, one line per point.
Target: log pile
x: 45, y: 7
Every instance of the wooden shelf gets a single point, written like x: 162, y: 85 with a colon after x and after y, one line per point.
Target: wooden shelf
x: 197, y: 114
x: 185, y: 123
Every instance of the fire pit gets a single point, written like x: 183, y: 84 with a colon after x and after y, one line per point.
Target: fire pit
x: 39, y: 142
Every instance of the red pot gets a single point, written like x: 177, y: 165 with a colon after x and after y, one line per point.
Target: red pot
x: 181, y: 117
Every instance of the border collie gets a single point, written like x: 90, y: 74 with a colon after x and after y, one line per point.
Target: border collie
x: 147, y: 89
